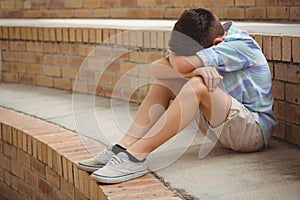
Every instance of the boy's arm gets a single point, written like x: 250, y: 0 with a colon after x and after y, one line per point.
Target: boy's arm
x: 174, y: 66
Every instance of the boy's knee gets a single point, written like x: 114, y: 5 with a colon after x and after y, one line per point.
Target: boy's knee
x: 161, y: 61
x: 198, y: 85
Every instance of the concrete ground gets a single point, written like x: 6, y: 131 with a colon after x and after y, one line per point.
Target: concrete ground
x: 223, y: 174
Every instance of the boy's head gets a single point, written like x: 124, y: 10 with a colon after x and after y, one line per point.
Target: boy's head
x: 195, y: 29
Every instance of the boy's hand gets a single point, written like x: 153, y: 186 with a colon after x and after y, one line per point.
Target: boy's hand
x: 210, y: 75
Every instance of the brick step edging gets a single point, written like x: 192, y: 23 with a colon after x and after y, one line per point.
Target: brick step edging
x: 35, y: 165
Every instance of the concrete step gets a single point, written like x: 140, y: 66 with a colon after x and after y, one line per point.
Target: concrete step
x: 223, y: 174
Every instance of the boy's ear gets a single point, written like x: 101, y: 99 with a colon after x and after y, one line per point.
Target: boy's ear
x: 217, y: 40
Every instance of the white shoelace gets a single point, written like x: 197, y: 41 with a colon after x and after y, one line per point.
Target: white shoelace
x: 115, y: 160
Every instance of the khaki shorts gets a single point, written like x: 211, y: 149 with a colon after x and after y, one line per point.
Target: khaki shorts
x: 240, y: 131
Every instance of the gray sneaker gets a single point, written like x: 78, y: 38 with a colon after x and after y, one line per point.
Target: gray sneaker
x: 96, y: 162
x: 120, y: 169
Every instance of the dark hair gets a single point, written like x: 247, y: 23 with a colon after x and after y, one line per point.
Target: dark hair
x: 195, y: 29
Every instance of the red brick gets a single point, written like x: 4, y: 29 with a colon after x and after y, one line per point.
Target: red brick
x: 286, y: 50
x: 267, y: 46
x: 51, y: 48
x: 5, y: 162
x: 23, y: 188
x: 182, y: 3
x: 79, y: 195
x: 26, y: 57
x: 7, y: 177
x: 62, y: 83
x: 119, y: 12
x: 47, y: 188
x: 5, y: 190
x: 36, y: 195
x: 110, y: 3
x: 23, y: 158
x: 28, y: 33
x: 13, y: 152
x: 69, y: 72
x: 17, y: 46
x: 27, y: 79
x: 35, y: 69
x: 203, y: 3
x: 6, y: 149
x: 52, y: 177
x: 278, y: 12
x: 70, y: 170
x: 73, y: 4
x: 39, y: 5
x: 67, y: 188
x: 224, y: 3
x: 39, y: 151
x: 292, y: 133
x: 289, y: 2
x: 133, y: 3
x: 65, y: 13
x: 295, y: 13
x: 1, y: 175
x: 31, y: 178
x: 4, y: 45
x: 57, y: 162
x: 83, y: 13
x: 69, y: 49
x: 296, y: 49
x: 173, y: 13
x: 292, y: 113
x: 9, y: 56
x: 278, y: 90
x: 76, y: 61
x: 276, y: 48
x: 1, y: 143
x: 234, y: 13
x: 17, y: 67
x: 155, y: 13
x: 10, y: 77
x: 103, y: 13
x: 92, y: 3
x: 292, y: 92
x: 38, y: 167
x: 44, y: 81
x: 279, y: 130
x: 17, y: 169
x: 34, y: 33
x: 52, y: 71
x: 56, y: 4
x: 267, y: 3
x: 7, y: 4
x: 34, y: 46
x: 287, y: 72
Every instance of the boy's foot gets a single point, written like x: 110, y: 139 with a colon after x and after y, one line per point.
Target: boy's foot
x: 120, y: 169
x: 96, y: 162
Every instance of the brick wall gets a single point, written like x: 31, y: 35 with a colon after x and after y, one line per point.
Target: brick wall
x: 60, y: 57
x: 149, y: 9
x: 38, y: 161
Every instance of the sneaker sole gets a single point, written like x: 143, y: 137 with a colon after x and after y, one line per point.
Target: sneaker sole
x: 117, y: 179
x: 89, y: 168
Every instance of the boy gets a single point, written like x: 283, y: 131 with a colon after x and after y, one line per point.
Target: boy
x: 217, y: 69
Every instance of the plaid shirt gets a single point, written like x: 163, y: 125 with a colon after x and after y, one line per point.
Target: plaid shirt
x: 246, y: 73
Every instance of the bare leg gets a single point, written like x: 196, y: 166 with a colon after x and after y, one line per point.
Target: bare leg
x: 152, y: 108
x: 193, y: 95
